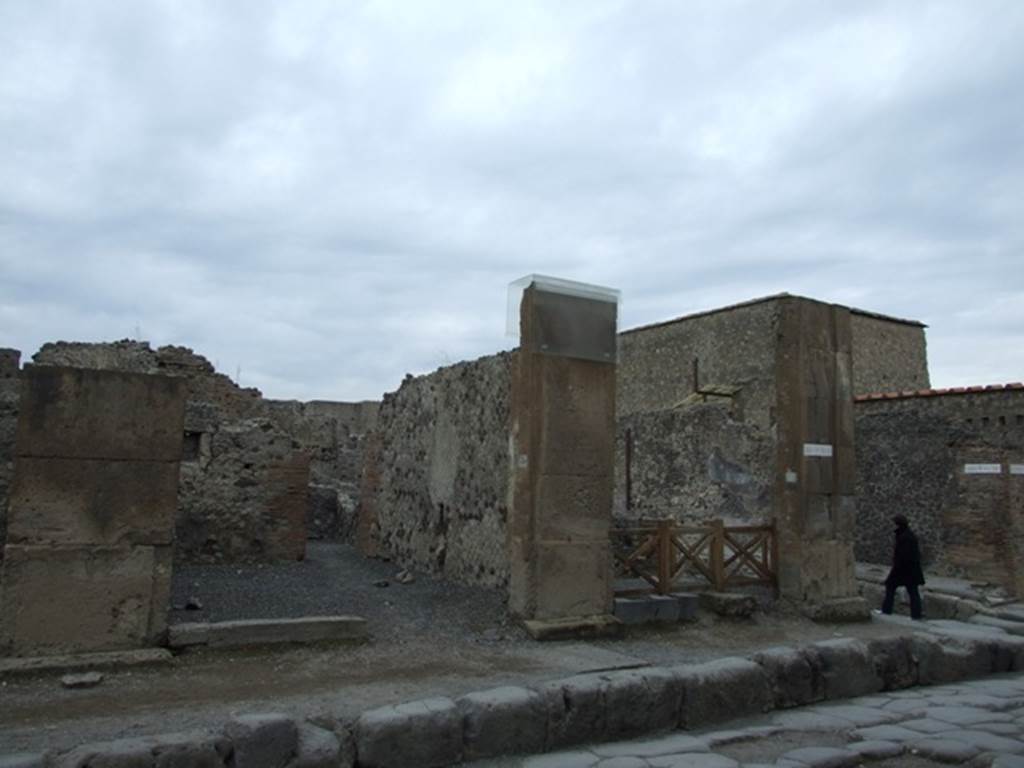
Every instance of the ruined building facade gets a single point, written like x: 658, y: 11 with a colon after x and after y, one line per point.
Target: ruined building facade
x: 257, y: 476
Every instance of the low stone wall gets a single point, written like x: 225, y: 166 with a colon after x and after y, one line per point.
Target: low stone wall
x: 693, y: 464
x: 435, y: 496
x: 914, y: 457
x: 582, y: 709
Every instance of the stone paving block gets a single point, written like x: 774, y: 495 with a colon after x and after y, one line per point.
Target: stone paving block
x: 906, y: 706
x: 639, y: 701
x: 999, y: 729
x: 21, y: 760
x: 562, y: 760
x: 1011, y: 627
x: 811, y: 721
x: 978, y: 700
x: 822, y: 757
x: 622, y: 762
x: 847, y: 668
x: 724, y: 689
x: 693, y: 760
x: 262, y: 740
x: 575, y: 708
x: 1007, y: 761
x: 894, y: 662
x: 876, y: 750
x: 634, y: 610
x: 689, y: 602
x: 502, y: 721
x: 859, y: 716
x: 885, y: 733
x: 794, y: 679
x: 666, y: 608
x: 667, y: 745
x: 926, y: 725
x: 425, y: 733
x: 943, y: 750
x: 962, y: 716
x: 984, y: 741
x: 317, y: 748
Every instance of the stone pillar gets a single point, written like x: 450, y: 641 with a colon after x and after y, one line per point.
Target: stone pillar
x: 562, y: 453
x: 87, y: 564
x: 815, y: 471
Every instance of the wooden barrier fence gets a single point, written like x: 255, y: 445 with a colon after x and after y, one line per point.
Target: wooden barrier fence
x: 670, y: 557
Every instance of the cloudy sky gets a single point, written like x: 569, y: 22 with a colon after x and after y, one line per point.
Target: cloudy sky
x: 327, y: 195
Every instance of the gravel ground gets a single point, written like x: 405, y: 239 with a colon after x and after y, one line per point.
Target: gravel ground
x: 335, y: 579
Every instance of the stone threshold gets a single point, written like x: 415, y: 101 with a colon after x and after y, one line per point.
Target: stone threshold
x: 27, y: 665
x: 251, y: 632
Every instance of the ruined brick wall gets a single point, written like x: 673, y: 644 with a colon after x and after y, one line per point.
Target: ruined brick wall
x: 10, y: 363
x: 889, y: 355
x: 699, y: 438
x: 911, y: 457
x: 437, y: 476
x: 333, y: 434
x: 230, y: 508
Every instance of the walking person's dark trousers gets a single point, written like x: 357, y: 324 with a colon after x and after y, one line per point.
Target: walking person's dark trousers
x: 912, y: 591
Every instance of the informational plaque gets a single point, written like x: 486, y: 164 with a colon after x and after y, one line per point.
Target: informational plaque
x: 1017, y: 469
x: 983, y: 469
x: 822, y: 450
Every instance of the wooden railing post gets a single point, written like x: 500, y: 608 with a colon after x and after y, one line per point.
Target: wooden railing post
x: 717, y: 552
x: 664, y: 557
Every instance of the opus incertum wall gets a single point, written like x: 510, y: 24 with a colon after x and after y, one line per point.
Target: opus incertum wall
x: 87, y: 563
x: 563, y: 452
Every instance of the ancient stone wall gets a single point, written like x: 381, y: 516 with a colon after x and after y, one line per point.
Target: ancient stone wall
x: 913, y: 458
x: 87, y: 563
x: 333, y: 434
x: 10, y: 360
x: 728, y: 351
x: 889, y: 355
x: 694, y: 463
x: 437, y: 476
x: 235, y: 445
x: 695, y: 408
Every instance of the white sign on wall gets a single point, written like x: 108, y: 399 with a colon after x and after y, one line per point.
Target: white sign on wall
x: 983, y: 469
x: 823, y: 450
x: 1017, y: 469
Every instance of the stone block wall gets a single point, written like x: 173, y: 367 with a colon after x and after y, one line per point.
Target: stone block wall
x: 436, y: 475
x: 889, y: 354
x: 10, y: 363
x: 87, y: 563
x: 912, y: 457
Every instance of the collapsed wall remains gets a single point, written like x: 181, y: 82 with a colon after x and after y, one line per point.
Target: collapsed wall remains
x: 436, y: 499
x: 952, y: 461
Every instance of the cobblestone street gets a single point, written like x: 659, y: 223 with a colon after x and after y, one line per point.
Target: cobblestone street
x: 979, y: 722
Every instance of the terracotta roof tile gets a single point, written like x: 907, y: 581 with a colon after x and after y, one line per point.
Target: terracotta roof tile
x: 908, y: 393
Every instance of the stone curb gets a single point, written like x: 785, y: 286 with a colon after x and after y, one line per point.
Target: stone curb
x: 30, y: 665
x: 600, y: 706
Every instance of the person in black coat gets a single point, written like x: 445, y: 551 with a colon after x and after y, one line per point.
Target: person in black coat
x: 906, y: 568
